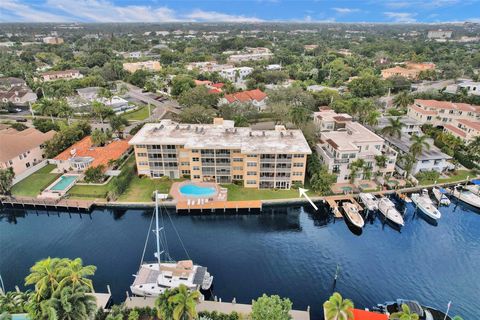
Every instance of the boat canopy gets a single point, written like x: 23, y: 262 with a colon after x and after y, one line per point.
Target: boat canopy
x: 476, y: 182
x: 443, y: 190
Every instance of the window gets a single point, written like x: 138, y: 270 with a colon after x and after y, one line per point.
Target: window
x: 251, y: 164
x: 195, y: 159
x: 21, y: 157
x: 184, y: 163
x: 237, y: 168
x: 299, y: 156
x: 196, y: 168
x: 251, y: 155
x: 195, y: 150
x: 27, y: 164
x: 251, y: 173
x: 141, y: 154
x: 298, y: 174
x: 196, y: 176
x: 143, y: 163
x: 237, y: 159
x: 237, y: 177
x: 186, y: 172
x: 11, y: 162
x: 251, y: 181
x: 298, y: 165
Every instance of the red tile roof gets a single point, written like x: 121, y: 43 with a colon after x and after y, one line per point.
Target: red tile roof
x: 218, y: 85
x: 214, y: 90
x: 455, y: 130
x: 423, y: 111
x: 246, y: 96
x: 101, y: 155
x: 468, y: 123
x: 447, y: 105
x: 368, y: 315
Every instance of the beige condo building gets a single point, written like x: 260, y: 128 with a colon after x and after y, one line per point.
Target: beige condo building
x: 221, y: 153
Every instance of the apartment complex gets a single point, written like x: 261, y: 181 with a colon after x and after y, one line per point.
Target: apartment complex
x: 143, y: 65
x: 440, y: 113
x: 221, y: 153
x: 61, y: 75
x: 343, y: 141
x: 21, y: 150
x: 208, y: 66
x: 464, y: 129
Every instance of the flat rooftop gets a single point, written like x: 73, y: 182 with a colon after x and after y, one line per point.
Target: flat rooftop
x: 403, y: 143
x: 346, y: 140
x: 407, y: 121
x: 222, y: 135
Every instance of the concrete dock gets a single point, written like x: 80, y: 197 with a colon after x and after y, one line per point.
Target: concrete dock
x: 220, y: 205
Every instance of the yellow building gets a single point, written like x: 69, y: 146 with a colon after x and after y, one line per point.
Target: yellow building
x: 221, y: 153
x: 145, y: 65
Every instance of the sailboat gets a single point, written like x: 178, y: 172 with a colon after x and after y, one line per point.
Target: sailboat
x: 153, y: 278
x: 425, y: 204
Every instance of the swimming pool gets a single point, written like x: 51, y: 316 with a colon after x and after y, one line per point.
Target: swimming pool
x: 63, y: 183
x: 192, y: 190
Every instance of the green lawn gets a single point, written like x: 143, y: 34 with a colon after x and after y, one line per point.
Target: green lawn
x: 139, y: 114
x: 459, y: 175
x: 141, y: 189
x: 239, y: 193
x: 36, y: 182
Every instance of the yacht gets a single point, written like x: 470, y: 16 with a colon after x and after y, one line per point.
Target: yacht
x: 423, y: 312
x: 440, y: 195
x: 466, y: 196
x: 426, y: 205
x: 387, y: 208
x: 153, y: 278
x: 369, y: 200
x: 353, y: 215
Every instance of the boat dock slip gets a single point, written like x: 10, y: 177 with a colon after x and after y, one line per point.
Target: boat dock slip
x: 333, y: 202
x: 209, y: 306
x: 47, y: 203
x: 219, y: 205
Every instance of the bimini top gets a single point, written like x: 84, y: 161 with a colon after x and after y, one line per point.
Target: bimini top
x: 476, y: 182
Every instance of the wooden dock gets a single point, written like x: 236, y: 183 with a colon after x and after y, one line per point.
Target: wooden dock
x: 47, y: 203
x: 333, y: 202
x: 220, y: 205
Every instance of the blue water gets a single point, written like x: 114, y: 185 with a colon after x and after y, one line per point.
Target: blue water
x: 197, y: 191
x: 290, y: 251
x: 63, y: 183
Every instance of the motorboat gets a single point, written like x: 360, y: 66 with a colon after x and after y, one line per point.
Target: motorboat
x: 387, y: 208
x: 153, y: 278
x: 466, y: 196
x: 423, y: 312
x: 369, y: 200
x: 474, y: 188
x: 351, y: 211
x: 441, y: 195
x: 425, y: 204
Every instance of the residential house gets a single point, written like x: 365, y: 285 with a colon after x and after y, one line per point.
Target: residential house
x: 410, y: 126
x: 256, y: 97
x: 274, y: 67
x: 208, y: 66
x: 343, y: 141
x: 21, y: 150
x: 16, y: 91
x: 83, y: 154
x: 61, y: 75
x: 252, y: 54
x: 439, y: 113
x: 432, y: 159
x: 221, y: 153
x: 464, y: 129
x: 411, y: 70
x: 90, y: 94
x: 142, y: 65
x: 310, y: 47
x: 236, y: 75
x: 472, y: 87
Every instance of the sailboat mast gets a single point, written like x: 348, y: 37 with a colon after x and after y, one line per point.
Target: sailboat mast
x: 157, y: 228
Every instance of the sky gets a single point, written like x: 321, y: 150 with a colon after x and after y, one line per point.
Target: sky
x: 379, y: 11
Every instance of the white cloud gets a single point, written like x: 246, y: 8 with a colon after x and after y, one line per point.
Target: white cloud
x: 401, y: 17
x: 346, y: 10
x: 200, y: 15
x: 425, y: 4
x: 13, y: 10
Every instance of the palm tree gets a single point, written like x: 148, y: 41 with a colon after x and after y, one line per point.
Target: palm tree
x: 105, y: 93
x: 381, y: 160
x: 372, y: 118
x: 457, y: 318
x: 45, y: 276
x: 355, y: 166
x: 46, y: 107
x: 337, y: 308
x: 299, y: 115
x: 402, y: 100
x: 71, y: 303
x: 405, y: 314
x: 64, y: 110
x: 75, y: 274
x: 419, y: 143
x: 14, y: 302
x: 185, y: 303
x: 408, y: 163
x: 164, y: 306
x: 394, y: 128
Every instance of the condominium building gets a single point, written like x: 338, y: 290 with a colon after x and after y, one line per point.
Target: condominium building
x: 440, y: 113
x: 221, y: 153
x: 343, y: 141
x: 464, y: 129
x: 142, y: 65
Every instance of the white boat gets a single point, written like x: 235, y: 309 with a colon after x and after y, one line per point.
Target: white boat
x: 466, y: 196
x: 387, y: 208
x: 351, y: 211
x: 440, y: 195
x: 369, y: 200
x: 425, y: 204
x: 154, y: 277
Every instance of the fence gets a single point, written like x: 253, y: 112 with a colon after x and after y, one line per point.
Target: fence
x: 29, y: 171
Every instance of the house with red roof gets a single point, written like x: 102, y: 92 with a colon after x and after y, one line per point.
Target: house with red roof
x: 83, y: 154
x: 441, y: 113
x: 464, y: 129
x: 256, y: 97
x: 213, y: 87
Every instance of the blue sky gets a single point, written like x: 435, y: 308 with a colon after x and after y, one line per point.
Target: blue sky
x: 400, y: 11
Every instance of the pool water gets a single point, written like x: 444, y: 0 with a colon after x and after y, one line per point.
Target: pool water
x: 63, y: 184
x: 197, y: 191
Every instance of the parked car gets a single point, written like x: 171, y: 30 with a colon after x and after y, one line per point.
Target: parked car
x: 21, y: 120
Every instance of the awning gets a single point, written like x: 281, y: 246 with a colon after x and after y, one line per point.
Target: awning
x: 442, y: 190
x: 476, y: 182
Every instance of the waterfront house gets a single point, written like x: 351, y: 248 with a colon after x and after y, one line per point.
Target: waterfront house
x: 61, y: 75
x: 440, y: 113
x: 464, y: 129
x: 142, y: 65
x: 343, y: 141
x: 21, y: 150
x: 83, y: 154
x: 222, y: 153
x: 410, y: 126
x: 256, y: 97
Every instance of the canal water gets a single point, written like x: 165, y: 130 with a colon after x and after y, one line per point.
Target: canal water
x: 290, y: 251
